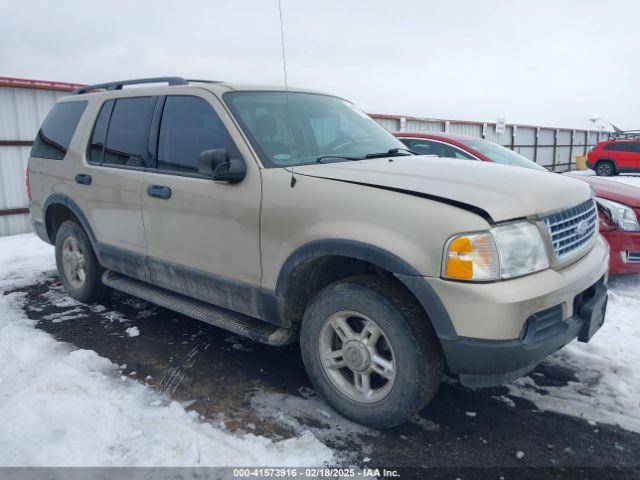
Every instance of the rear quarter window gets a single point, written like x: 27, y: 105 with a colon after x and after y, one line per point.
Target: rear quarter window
x: 55, y: 134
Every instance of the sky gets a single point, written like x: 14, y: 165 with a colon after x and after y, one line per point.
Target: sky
x: 550, y: 63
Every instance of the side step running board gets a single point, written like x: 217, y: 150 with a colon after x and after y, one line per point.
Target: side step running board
x: 234, y: 322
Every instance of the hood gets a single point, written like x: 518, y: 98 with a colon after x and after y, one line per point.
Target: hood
x: 503, y: 192
x: 619, y: 189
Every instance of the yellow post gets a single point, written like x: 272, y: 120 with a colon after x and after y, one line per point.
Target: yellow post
x: 581, y: 162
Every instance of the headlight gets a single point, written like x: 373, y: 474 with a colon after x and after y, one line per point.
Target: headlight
x: 505, y: 251
x: 620, y: 215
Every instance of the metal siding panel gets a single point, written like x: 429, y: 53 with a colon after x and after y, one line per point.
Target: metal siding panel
x: 22, y: 111
x: 564, y: 137
x: 545, y: 156
x: 424, y: 126
x: 466, y: 129
x: 14, y: 224
x: 525, y: 136
x: 13, y: 164
x: 8, y: 115
x: 390, y: 124
x: 500, y: 138
x: 525, y: 151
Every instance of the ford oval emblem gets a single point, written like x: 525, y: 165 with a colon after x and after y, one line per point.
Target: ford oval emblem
x: 582, y: 227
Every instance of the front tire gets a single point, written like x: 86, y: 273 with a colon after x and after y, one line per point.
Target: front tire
x: 78, y: 266
x: 370, y: 352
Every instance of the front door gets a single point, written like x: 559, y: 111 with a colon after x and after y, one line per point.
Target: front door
x: 202, y: 236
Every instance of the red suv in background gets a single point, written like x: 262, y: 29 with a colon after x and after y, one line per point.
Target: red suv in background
x: 618, y: 199
x: 619, y: 155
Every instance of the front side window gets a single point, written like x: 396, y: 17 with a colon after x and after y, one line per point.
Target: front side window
x: 499, y: 154
x: 54, y: 137
x: 189, y: 126
x: 299, y: 128
x: 128, y: 133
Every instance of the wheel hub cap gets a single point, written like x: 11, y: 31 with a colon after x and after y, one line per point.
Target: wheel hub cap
x: 356, y: 356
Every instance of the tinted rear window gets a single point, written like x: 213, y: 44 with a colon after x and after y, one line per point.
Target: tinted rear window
x: 127, y: 138
x: 55, y: 135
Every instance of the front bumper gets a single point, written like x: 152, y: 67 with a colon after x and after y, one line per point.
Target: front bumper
x: 625, y: 251
x: 485, y: 363
x: 491, y: 320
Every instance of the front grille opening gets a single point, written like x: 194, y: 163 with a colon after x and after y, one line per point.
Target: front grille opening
x: 573, y: 229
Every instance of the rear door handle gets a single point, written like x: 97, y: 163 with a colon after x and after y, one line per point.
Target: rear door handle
x: 83, y: 179
x: 159, y: 191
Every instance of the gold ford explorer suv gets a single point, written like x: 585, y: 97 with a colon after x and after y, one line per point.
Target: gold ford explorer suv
x: 291, y: 216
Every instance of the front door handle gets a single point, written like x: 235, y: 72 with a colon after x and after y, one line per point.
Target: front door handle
x: 83, y: 179
x: 159, y: 191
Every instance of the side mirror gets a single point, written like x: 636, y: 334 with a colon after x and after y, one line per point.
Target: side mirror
x: 220, y: 167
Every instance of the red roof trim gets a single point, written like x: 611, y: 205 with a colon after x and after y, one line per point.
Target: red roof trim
x: 39, y: 84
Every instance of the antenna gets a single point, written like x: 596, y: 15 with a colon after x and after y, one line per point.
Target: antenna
x: 284, y: 57
x: 286, y: 83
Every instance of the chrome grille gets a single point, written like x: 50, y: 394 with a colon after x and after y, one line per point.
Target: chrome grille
x: 633, y: 257
x: 572, y: 229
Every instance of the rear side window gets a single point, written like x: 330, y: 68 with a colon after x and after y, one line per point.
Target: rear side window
x: 189, y: 126
x: 55, y: 135
x: 128, y: 131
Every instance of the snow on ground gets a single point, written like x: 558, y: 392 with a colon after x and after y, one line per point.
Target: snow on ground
x: 607, y: 368
x: 66, y: 407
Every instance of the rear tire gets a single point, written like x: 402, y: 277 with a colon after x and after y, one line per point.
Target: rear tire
x: 78, y: 266
x: 364, y: 327
x: 605, y: 168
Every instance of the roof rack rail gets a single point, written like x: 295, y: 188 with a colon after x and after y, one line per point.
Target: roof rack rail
x: 118, y: 85
x: 197, y: 80
x: 625, y: 135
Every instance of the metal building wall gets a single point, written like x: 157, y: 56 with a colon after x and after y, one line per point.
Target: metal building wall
x: 556, y: 148
x: 23, y: 106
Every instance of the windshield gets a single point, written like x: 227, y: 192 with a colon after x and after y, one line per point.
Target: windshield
x: 499, y: 154
x: 298, y: 128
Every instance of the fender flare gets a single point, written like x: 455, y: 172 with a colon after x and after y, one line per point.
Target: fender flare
x: 61, y: 199
x: 409, y: 276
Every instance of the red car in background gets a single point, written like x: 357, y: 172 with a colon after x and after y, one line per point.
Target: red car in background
x: 621, y: 154
x: 618, y: 199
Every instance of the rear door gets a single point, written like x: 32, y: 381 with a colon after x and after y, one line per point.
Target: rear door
x: 623, y: 153
x: 113, y: 176
x: 202, y: 236
x: 634, y: 158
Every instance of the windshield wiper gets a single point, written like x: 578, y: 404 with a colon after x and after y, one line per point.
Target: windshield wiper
x: 340, y: 157
x: 394, y: 152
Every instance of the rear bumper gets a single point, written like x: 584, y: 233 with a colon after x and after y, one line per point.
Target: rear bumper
x: 625, y: 251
